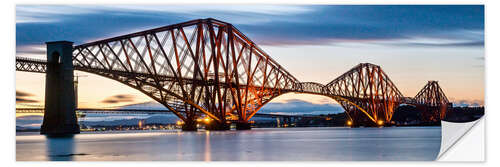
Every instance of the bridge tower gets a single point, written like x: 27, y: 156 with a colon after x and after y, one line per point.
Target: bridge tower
x: 59, y: 117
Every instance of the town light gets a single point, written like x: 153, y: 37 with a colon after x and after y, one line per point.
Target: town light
x: 349, y: 123
x: 179, y: 122
x: 140, y: 124
x: 380, y: 122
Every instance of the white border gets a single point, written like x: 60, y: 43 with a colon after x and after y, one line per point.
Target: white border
x: 466, y: 149
x: 7, y: 64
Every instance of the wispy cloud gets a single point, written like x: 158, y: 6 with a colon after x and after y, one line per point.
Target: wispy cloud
x: 22, y: 94
x: 24, y: 100
x: 22, y: 97
x: 119, y: 99
x: 467, y: 39
x: 48, y: 13
x: 30, y: 50
x: 57, y: 13
x: 461, y: 25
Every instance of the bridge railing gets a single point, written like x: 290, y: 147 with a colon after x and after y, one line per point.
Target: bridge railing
x: 31, y: 65
x: 30, y: 59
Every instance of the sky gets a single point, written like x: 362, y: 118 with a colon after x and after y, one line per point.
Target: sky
x: 316, y: 43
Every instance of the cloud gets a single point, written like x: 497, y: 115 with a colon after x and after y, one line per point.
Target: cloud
x: 21, y: 97
x: 265, y: 24
x: 22, y: 94
x: 58, y: 13
x: 145, y: 105
x: 23, y: 100
x: 376, y: 23
x: 31, y: 50
x: 465, y: 44
x: 83, y: 28
x: 119, y: 99
x: 38, y: 24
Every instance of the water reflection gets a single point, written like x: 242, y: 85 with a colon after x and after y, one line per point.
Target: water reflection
x: 179, y: 138
x: 401, y: 143
x: 60, y: 148
x: 208, y: 156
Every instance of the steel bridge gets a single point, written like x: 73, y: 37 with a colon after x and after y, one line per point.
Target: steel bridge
x: 208, y: 67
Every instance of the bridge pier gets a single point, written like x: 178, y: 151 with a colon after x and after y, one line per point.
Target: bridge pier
x: 214, y: 125
x: 59, y: 116
x: 243, y: 126
x: 190, y: 126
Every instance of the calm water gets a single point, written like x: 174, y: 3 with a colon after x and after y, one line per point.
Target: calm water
x: 289, y: 144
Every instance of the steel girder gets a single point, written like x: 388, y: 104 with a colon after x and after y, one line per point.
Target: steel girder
x: 433, y: 100
x: 31, y: 65
x: 366, y: 90
x: 201, y: 66
x: 431, y: 95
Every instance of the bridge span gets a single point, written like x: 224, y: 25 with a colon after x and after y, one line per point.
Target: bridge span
x: 207, y: 67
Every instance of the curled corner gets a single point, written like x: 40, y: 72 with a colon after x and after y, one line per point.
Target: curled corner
x: 452, y: 132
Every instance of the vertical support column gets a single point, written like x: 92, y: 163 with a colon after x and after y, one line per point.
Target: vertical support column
x: 190, y: 125
x: 59, y: 117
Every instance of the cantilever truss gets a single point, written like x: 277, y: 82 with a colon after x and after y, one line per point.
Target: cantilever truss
x: 431, y: 95
x: 208, y: 67
x: 366, y: 90
x: 201, y: 66
x: 433, y: 98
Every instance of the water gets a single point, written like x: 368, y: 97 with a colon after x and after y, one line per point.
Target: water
x: 273, y: 144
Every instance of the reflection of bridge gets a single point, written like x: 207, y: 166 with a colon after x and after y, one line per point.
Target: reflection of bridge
x: 208, y: 67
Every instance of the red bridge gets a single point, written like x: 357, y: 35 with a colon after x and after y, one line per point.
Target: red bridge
x: 208, y: 67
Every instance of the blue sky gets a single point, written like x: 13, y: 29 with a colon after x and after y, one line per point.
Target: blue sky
x: 412, y: 43
x: 459, y: 25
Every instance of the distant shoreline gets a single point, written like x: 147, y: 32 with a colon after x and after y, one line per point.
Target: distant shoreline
x: 138, y: 130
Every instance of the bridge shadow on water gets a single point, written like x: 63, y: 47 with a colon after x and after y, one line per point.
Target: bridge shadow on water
x: 61, y: 148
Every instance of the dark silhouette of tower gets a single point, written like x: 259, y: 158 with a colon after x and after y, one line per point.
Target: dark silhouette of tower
x: 59, y: 117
